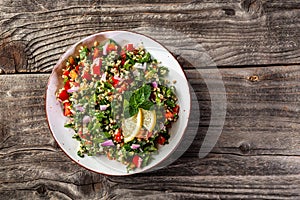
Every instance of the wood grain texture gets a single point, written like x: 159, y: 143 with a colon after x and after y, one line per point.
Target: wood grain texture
x: 34, y: 34
x: 256, y: 157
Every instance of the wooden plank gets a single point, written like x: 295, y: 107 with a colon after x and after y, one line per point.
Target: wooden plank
x: 257, y: 155
x: 34, y: 34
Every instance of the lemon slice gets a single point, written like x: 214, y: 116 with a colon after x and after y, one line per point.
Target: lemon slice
x: 132, y: 126
x: 149, y: 119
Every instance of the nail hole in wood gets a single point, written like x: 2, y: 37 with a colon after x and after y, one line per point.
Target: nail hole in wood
x: 245, y: 147
x: 229, y: 11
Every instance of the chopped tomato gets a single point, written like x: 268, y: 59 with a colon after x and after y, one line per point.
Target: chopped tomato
x: 169, y: 115
x: 66, y: 73
x: 67, y: 85
x: 137, y: 161
x: 63, y: 95
x: 114, y: 81
x: 88, y: 142
x: 161, y: 140
x: 81, y: 135
x: 122, y: 88
x: 96, y: 70
x: 77, y: 68
x: 87, y: 76
x: 96, y: 53
x: 75, y: 84
x: 176, y: 109
x: 67, y: 109
x: 111, y: 47
x: 129, y: 47
x: 118, y: 136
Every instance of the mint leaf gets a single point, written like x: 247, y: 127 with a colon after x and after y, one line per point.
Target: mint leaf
x: 140, y: 99
x: 146, y: 105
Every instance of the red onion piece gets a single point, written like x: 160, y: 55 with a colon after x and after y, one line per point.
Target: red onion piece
x: 135, y: 146
x: 105, y: 49
x: 107, y: 143
x: 154, y: 84
x: 103, y: 77
x: 79, y: 108
x: 86, y: 119
x: 103, y: 107
x: 73, y: 89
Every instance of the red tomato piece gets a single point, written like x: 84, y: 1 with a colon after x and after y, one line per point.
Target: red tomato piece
x: 129, y: 47
x: 87, y: 76
x: 111, y: 47
x: 67, y: 85
x: 96, y: 70
x: 63, y: 95
x: 118, y: 136
x: 66, y: 73
x: 176, y: 109
x: 77, y: 69
x: 88, y: 142
x: 137, y: 161
x: 161, y: 140
x: 122, y: 88
x: 114, y: 81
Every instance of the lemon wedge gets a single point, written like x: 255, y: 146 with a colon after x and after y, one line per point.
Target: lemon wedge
x: 132, y: 126
x: 149, y: 119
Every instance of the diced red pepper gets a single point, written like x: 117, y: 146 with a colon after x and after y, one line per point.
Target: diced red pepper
x: 63, y: 95
x: 161, y: 140
x: 129, y: 47
x: 137, y: 161
x: 87, y: 76
x: 67, y: 109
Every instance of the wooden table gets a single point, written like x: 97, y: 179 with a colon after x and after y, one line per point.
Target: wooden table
x: 255, y: 45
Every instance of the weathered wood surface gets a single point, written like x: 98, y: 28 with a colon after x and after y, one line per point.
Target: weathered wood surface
x: 255, y: 44
x: 34, y: 34
x: 257, y: 155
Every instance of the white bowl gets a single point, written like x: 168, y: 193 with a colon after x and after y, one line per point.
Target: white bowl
x: 101, y: 164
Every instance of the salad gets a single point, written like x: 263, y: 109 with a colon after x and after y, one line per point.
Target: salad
x: 118, y: 102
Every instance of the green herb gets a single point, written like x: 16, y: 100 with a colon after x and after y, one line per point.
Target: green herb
x: 83, y: 53
x: 140, y: 99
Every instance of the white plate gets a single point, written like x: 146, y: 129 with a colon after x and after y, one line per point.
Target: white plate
x: 101, y: 164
